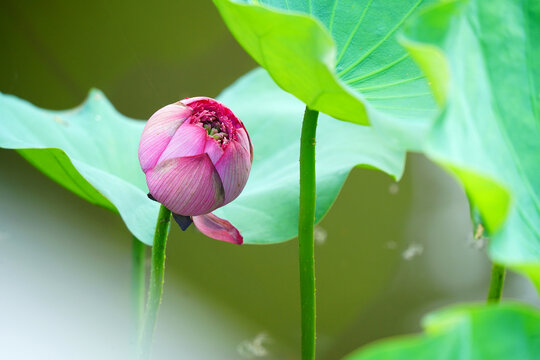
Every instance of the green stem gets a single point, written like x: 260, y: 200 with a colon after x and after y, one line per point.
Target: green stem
x: 138, y: 278
x: 306, y: 219
x: 155, y: 288
x: 496, y: 284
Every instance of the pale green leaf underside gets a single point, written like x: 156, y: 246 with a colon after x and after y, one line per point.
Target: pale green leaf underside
x: 92, y: 151
x: 473, y: 332
x: 489, y: 132
x: 339, y: 57
x: 273, y: 119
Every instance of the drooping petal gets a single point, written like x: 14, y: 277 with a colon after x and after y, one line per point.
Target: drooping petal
x: 217, y: 228
x: 188, y: 140
x: 244, y: 140
x: 186, y: 185
x: 158, y: 131
x: 233, y: 169
x: 213, y: 149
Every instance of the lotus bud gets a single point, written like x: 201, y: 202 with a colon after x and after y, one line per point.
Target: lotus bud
x: 196, y: 155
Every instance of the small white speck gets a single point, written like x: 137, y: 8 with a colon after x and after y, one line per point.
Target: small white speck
x: 478, y: 244
x: 254, y: 348
x: 391, y: 245
x: 97, y: 96
x: 393, y: 189
x: 319, y: 235
x: 478, y: 241
x: 412, y: 251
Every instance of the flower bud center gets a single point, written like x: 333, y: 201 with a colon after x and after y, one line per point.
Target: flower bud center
x: 209, y: 120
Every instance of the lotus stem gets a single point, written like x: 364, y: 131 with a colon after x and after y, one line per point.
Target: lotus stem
x: 155, y: 288
x: 306, y: 220
x: 498, y: 273
x: 138, y: 278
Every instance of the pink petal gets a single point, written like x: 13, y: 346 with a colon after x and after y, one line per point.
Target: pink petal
x: 217, y: 228
x: 186, y: 185
x: 189, y: 140
x: 190, y: 101
x: 233, y: 169
x: 202, y: 102
x: 213, y: 149
x: 158, y: 131
x: 243, y: 138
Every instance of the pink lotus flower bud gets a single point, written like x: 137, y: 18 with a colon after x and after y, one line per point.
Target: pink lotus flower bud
x: 196, y: 156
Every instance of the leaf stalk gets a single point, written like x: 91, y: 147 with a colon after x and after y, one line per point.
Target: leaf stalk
x: 498, y: 273
x: 155, y: 288
x: 306, y: 219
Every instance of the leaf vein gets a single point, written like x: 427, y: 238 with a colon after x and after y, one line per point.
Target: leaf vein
x: 397, y: 96
x: 355, y: 30
x: 382, y: 86
x: 373, y: 73
x: 332, y: 16
x: 390, y: 33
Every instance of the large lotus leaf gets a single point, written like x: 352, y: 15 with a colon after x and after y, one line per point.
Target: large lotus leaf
x: 482, y: 58
x: 267, y: 209
x: 472, y: 332
x: 339, y: 57
x: 92, y: 151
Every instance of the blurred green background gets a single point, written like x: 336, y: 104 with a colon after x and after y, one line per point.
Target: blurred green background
x: 386, y: 253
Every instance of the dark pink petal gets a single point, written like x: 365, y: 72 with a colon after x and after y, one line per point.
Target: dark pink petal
x: 217, y: 228
x: 158, y: 131
x: 191, y: 101
x: 213, y: 149
x: 187, y: 185
x: 189, y: 140
x: 233, y: 169
x: 244, y: 140
x: 206, y: 103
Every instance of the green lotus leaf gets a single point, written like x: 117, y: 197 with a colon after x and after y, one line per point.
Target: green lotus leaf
x: 92, y: 151
x: 267, y: 209
x: 473, y: 332
x: 339, y: 57
x: 481, y: 59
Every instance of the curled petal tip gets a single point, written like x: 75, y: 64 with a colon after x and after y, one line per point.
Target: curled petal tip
x: 218, y: 228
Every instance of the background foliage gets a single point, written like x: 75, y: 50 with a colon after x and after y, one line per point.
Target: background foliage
x: 53, y: 60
